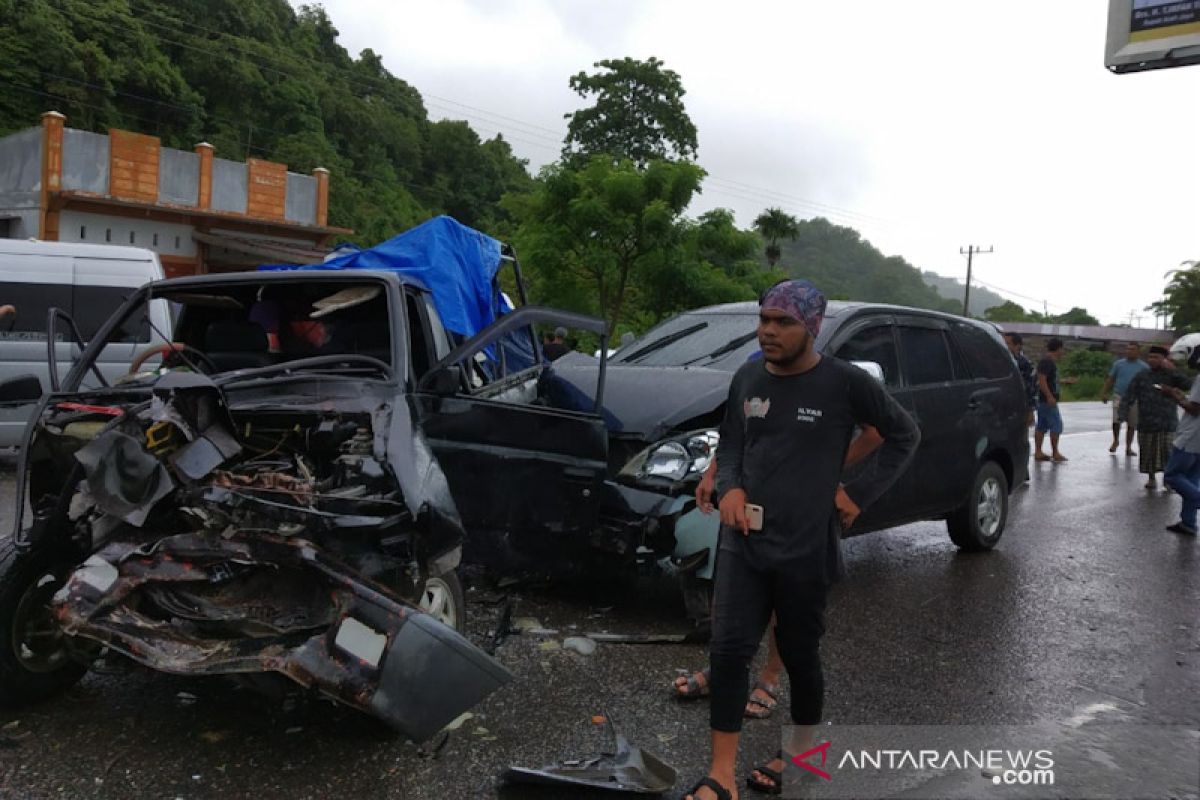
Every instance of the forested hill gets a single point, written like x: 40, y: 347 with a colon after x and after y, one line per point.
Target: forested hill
x: 255, y: 78
x: 847, y: 267
x: 981, y: 299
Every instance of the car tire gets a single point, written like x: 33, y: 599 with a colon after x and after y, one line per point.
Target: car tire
x: 442, y: 597
x: 978, y: 524
x: 36, y: 659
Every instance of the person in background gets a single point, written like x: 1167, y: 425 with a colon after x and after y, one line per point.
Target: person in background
x: 555, y: 346
x: 1115, y: 385
x: 1016, y: 346
x: 1158, y: 416
x: 1049, y: 418
x: 1183, y: 467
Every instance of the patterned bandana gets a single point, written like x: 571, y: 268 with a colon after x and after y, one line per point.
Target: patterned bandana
x: 800, y: 300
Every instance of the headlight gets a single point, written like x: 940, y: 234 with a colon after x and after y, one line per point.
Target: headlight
x: 675, y: 458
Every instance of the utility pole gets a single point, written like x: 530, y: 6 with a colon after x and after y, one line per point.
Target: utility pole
x: 970, y: 253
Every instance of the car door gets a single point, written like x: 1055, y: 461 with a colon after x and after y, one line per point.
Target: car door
x: 945, y: 461
x: 872, y: 338
x: 516, y: 465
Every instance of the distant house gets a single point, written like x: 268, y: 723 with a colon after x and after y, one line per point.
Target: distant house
x: 1089, y: 337
x: 200, y: 213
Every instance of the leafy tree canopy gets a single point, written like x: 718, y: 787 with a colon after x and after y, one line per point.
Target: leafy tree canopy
x: 637, y: 114
x: 1181, y: 298
x: 254, y: 78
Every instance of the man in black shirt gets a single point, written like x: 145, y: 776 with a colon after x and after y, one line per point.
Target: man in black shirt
x: 788, y: 424
x: 1016, y: 346
x: 1049, y: 418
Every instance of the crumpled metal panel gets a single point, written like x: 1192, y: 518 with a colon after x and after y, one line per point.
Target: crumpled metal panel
x: 368, y: 650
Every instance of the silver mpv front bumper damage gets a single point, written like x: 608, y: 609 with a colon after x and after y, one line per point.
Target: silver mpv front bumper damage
x: 204, y: 604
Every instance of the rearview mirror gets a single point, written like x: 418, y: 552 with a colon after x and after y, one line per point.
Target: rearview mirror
x: 871, y: 368
x: 21, y: 389
x: 443, y: 381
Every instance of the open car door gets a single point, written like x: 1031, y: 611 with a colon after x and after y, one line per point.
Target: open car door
x: 516, y: 463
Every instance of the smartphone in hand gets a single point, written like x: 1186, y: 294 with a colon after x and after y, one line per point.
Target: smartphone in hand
x: 754, y: 516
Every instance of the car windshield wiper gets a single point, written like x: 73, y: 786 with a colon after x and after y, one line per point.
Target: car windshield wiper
x: 728, y: 347
x: 659, y: 344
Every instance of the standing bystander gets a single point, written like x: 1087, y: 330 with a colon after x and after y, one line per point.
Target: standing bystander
x: 1049, y: 417
x: 1016, y: 346
x: 1158, y: 416
x: 1183, y: 467
x: 787, y: 428
x: 1115, y: 385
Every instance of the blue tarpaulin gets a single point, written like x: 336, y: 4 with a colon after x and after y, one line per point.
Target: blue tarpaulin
x: 456, y: 263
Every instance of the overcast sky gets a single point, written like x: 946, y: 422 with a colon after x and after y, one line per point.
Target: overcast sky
x: 927, y: 126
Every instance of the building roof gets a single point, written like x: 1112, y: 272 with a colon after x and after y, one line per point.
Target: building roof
x: 1107, y: 333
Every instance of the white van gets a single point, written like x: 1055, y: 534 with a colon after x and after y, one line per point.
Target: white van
x: 88, y: 282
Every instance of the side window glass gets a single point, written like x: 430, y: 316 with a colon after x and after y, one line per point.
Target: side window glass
x: 988, y: 358
x: 93, y: 305
x: 961, y: 371
x: 874, y: 344
x: 926, y: 357
x: 418, y: 342
x: 32, y: 301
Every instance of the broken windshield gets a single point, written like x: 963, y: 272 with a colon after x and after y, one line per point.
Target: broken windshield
x: 327, y: 327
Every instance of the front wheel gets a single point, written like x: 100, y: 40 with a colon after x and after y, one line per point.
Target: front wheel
x: 978, y: 523
x: 36, y: 657
x: 442, y: 598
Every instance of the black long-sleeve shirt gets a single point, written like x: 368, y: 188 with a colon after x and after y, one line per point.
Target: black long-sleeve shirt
x: 784, y: 441
x: 1157, y: 412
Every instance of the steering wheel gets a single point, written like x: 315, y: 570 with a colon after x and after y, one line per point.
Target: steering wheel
x: 165, y: 350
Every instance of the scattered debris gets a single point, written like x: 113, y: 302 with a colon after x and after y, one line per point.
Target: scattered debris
x: 626, y: 768
x: 549, y: 646
x: 458, y: 721
x: 580, y: 644
x: 186, y: 698
x: 599, y: 719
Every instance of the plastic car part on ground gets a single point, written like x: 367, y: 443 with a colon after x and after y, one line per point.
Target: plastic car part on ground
x: 627, y: 768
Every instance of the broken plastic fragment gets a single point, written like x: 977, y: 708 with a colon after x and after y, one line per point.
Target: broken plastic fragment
x: 627, y: 769
x: 580, y: 644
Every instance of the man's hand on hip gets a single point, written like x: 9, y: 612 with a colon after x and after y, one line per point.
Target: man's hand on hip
x: 733, y: 510
x: 847, y: 509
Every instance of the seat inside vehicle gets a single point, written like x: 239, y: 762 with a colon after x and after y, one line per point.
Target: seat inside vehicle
x: 237, y: 344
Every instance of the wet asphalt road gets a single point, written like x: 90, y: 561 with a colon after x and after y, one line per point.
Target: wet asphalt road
x: 1086, y: 604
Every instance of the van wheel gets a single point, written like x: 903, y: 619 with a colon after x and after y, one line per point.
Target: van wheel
x: 978, y: 523
x: 442, y: 598
x: 36, y: 657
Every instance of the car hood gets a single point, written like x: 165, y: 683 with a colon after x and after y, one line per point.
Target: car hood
x: 644, y: 401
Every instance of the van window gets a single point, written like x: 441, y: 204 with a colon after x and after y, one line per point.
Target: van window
x: 93, y: 305
x: 926, y: 358
x: 874, y: 344
x: 32, y: 301
x: 987, y: 357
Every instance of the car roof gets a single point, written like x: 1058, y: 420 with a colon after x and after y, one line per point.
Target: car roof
x: 287, y: 276
x: 839, y: 308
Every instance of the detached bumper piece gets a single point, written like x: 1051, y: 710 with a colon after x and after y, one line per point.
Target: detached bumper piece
x: 197, y: 604
x: 627, y: 768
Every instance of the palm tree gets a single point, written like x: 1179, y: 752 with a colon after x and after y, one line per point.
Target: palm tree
x: 1181, y: 298
x: 775, y: 224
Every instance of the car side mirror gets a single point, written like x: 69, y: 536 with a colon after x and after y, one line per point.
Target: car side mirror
x: 444, y: 382
x: 21, y: 389
x: 871, y: 368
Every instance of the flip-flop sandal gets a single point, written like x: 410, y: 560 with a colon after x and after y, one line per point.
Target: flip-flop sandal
x: 1038, y: 457
x: 710, y: 783
x: 761, y: 709
x: 775, y: 787
x: 697, y: 686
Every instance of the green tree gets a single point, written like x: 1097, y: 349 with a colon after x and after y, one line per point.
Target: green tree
x: 775, y: 224
x: 1007, y: 312
x: 1075, y: 316
x: 590, y: 233
x: 637, y: 114
x: 1181, y: 298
